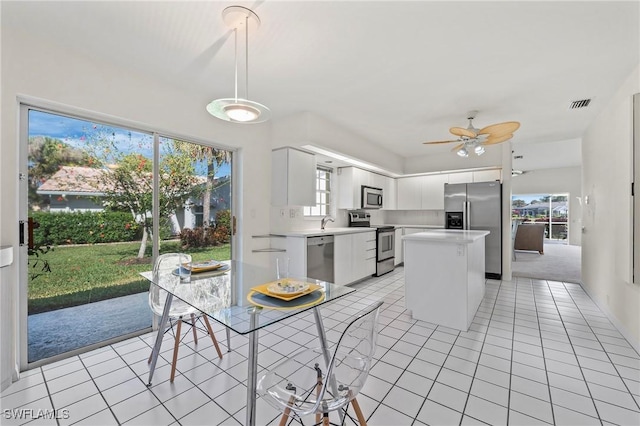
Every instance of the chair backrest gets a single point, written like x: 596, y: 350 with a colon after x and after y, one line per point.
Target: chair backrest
x: 164, y: 268
x: 354, y: 351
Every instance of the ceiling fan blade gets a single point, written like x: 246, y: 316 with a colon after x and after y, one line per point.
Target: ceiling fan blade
x: 500, y: 129
x: 459, y: 131
x: 492, y: 140
x: 457, y: 147
x: 437, y: 142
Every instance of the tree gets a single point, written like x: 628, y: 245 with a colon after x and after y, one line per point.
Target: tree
x: 46, y: 156
x: 518, y: 203
x: 129, y: 185
x: 214, y: 158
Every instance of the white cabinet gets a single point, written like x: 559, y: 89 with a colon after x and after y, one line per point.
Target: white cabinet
x: 293, y: 177
x: 398, y: 247
x: 389, y: 199
x: 296, y: 248
x: 354, y: 257
x: 350, y: 181
x: 421, y: 192
x: 433, y: 192
x: 410, y: 193
x: 487, y: 175
x: 462, y: 177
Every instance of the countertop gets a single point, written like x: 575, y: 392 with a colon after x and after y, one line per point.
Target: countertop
x: 327, y: 231
x: 397, y: 225
x: 447, y: 236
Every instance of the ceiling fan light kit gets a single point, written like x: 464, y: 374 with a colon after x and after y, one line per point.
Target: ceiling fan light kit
x: 236, y: 109
x: 475, y: 140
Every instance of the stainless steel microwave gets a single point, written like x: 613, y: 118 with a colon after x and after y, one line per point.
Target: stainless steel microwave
x: 371, y: 197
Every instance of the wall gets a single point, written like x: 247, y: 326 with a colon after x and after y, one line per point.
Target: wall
x: 35, y: 68
x: 450, y: 161
x: 554, y: 181
x: 607, y: 217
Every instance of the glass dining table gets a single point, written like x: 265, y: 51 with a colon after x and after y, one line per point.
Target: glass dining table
x: 245, y: 298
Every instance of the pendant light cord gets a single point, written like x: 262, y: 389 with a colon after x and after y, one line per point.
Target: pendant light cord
x: 246, y: 49
x: 235, y: 32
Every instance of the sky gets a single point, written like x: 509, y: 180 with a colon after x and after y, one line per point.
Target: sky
x: 79, y: 133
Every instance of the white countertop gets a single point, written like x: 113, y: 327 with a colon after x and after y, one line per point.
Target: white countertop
x: 447, y: 236
x: 327, y: 231
x: 397, y: 225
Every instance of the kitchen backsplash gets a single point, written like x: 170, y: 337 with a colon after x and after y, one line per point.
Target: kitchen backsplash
x: 414, y: 217
x: 290, y: 218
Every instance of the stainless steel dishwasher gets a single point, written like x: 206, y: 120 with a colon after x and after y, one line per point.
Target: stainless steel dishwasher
x: 320, y: 258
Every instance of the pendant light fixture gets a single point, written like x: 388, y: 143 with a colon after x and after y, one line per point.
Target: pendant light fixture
x: 236, y: 109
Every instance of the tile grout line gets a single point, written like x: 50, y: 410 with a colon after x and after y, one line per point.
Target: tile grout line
x: 574, y: 354
x: 604, y: 350
x: 544, y: 358
x: 478, y: 363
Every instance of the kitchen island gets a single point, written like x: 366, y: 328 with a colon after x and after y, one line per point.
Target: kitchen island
x: 444, y: 275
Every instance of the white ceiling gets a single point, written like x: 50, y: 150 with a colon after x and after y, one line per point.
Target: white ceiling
x: 397, y: 73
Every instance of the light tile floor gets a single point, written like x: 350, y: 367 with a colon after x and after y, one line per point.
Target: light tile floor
x: 538, y: 352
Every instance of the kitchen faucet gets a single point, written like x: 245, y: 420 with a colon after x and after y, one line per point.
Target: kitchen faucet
x: 324, y: 221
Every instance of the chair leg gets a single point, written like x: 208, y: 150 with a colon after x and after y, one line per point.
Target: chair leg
x: 285, y: 415
x: 318, y: 389
x: 213, y: 336
x: 175, y: 350
x: 359, y: 415
x: 193, y: 328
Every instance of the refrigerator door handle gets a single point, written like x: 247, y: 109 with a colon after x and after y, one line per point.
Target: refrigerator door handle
x: 466, y: 211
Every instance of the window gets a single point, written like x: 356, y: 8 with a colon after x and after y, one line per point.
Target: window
x: 323, y: 194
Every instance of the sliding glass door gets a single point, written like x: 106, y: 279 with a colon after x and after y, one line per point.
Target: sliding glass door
x: 90, y: 226
x: 550, y: 209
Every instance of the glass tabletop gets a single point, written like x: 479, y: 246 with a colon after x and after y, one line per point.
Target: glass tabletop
x: 240, y: 291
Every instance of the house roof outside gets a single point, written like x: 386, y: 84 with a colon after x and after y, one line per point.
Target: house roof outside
x: 74, y: 180
x: 87, y: 181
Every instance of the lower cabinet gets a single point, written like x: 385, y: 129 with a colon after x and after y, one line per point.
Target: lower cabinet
x: 398, y: 259
x: 354, y: 257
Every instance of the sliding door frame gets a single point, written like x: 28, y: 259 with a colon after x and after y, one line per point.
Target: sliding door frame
x: 21, y: 287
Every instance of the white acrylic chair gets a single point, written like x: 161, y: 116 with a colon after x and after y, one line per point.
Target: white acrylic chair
x: 180, y: 311
x: 314, y: 382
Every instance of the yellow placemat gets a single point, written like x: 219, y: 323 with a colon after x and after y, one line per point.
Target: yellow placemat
x: 264, y: 289
x: 305, y: 300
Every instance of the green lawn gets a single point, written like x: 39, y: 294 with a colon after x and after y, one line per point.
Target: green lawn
x: 83, y: 274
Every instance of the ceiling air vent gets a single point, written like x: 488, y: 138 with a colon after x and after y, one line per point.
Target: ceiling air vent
x: 583, y: 103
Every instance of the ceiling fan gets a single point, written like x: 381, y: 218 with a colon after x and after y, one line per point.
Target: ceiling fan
x: 472, y: 139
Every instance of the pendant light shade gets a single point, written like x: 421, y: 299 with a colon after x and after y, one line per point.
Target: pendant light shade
x: 236, y: 109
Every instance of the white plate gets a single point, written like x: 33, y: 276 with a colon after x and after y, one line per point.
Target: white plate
x: 285, y: 287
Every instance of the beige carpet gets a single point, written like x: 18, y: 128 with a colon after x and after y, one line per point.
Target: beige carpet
x: 558, y: 263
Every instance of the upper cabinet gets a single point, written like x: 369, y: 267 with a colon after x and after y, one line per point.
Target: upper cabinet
x: 487, y: 175
x: 426, y: 192
x: 350, y: 182
x: 421, y: 192
x: 293, y: 177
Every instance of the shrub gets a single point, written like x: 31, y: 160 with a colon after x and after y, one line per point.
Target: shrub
x: 62, y: 228
x: 197, y: 237
x: 208, y: 236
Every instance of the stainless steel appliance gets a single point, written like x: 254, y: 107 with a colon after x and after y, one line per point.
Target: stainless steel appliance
x: 385, y: 241
x: 320, y: 258
x: 385, y: 249
x: 371, y: 197
x: 478, y: 206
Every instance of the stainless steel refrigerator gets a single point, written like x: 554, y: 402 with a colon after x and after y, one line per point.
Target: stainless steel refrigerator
x: 478, y: 206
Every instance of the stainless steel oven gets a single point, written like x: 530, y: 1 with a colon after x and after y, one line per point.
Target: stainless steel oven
x: 385, y: 249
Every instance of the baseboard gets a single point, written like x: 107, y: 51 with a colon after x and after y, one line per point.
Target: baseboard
x: 622, y: 329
